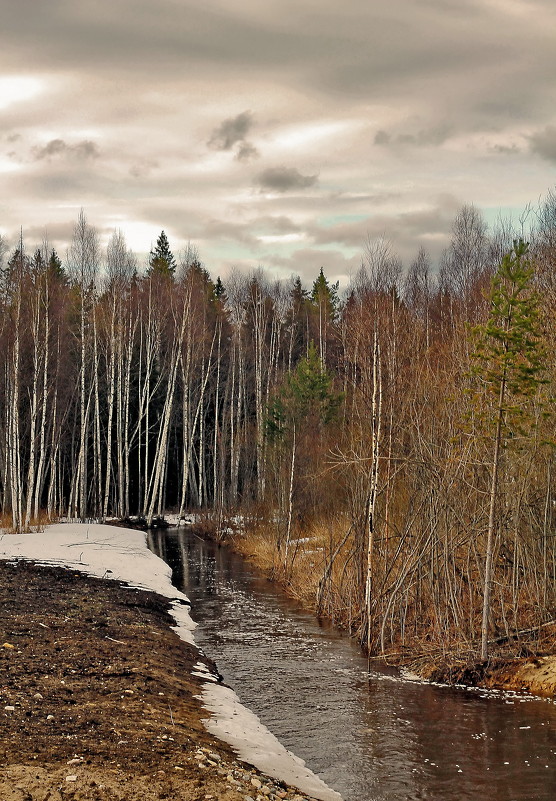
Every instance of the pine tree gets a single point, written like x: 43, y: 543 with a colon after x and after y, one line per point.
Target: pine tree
x: 55, y: 265
x: 307, y: 398
x: 161, y: 260
x: 324, y: 299
x: 510, y: 360
x: 219, y: 290
x: 297, y: 418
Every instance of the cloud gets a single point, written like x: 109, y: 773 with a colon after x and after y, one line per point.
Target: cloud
x: 246, y: 151
x: 280, y: 225
x: 55, y: 234
x: 231, y: 131
x: 284, y: 179
x: 429, y: 227
x: 543, y: 143
x: 427, y: 137
x: 181, y: 97
x: 382, y: 138
x: 143, y: 168
x: 58, y: 147
x: 507, y: 150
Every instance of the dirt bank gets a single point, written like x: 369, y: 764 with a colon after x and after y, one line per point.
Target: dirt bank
x: 97, y: 699
x: 532, y: 674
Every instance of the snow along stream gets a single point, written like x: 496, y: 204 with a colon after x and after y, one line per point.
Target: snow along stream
x: 122, y: 555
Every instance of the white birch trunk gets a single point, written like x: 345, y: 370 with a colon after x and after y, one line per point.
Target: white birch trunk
x: 111, y: 356
x: 373, y: 483
x: 31, y: 471
x: 42, y: 436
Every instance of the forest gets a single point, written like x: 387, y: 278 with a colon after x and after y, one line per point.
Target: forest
x: 391, y: 446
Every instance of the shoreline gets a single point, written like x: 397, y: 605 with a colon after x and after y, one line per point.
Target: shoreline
x: 533, y: 672
x: 97, y: 685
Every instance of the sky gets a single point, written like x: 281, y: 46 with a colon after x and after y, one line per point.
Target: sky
x: 277, y: 133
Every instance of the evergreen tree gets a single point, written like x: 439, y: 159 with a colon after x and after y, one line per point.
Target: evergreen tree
x: 161, y: 260
x: 324, y: 299
x: 38, y: 263
x: 219, y: 290
x: 510, y: 360
x: 307, y: 399
x: 55, y: 265
x: 324, y: 293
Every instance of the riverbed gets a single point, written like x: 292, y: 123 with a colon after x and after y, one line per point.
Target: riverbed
x: 369, y: 735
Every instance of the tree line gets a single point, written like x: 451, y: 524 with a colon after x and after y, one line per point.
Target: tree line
x: 406, y: 426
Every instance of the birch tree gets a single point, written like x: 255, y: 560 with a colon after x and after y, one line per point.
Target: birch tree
x: 83, y: 262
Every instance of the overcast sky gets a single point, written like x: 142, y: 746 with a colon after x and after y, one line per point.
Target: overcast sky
x: 279, y: 133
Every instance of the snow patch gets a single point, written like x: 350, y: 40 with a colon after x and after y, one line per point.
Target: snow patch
x: 242, y: 729
x: 105, y: 552
x: 122, y: 554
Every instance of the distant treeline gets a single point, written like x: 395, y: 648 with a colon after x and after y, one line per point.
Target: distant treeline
x: 124, y: 393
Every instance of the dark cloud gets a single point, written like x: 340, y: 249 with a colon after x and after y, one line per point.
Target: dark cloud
x: 284, y: 179
x: 58, y: 147
x: 231, y: 131
x: 382, y: 138
x: 246, y: 151
x: 428, y: 137
x: 543, y: 143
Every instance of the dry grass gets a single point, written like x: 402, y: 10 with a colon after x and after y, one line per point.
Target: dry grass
x: 300, y: 571
x: 36, y: 523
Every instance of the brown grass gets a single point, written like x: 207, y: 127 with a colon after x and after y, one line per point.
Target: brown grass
x: 36, y: 524
x: 301, y: 571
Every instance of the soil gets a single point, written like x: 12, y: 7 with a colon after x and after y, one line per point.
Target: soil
x: 527, y: 667
x: 97, y: 699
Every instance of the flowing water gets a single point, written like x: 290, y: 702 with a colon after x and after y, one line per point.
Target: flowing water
x: 369, y: 736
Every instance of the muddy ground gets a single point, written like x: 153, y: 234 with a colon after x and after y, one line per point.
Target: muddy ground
x: 526, y: 666
x: 97, y: 700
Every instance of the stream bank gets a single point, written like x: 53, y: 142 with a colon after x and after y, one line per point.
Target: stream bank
x: 371, y: 734
x: 99, y: 698
x: 526, y: 663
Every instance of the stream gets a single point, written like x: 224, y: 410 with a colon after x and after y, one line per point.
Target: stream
x: 370, y: 736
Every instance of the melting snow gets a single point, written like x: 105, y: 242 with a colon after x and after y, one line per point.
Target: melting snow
x: 122, y: 554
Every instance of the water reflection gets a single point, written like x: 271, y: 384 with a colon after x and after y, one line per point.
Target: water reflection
x: 368, y: 736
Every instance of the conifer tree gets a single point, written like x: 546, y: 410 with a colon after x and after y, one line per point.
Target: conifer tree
x: 55, y: 265
x: 509, y: 359
x: 219, y: 290
x: 324, y: 298
x: 161, y: 260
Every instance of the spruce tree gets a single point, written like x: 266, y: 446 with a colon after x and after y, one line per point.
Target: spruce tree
x: 509, y: 360
x: 219, y: 290
x: 161, y: 260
